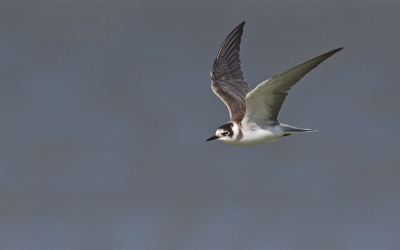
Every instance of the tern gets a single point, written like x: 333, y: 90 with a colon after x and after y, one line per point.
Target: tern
x: 253, y: 113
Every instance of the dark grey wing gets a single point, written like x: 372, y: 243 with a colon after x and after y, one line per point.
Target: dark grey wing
x: 227, y: 80
x: 265, y: 101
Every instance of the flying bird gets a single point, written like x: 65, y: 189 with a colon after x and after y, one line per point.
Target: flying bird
x: 253, y: 113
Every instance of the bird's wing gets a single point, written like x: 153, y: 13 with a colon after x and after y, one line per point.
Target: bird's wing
x: 265, y: 101
x: 227, y: 80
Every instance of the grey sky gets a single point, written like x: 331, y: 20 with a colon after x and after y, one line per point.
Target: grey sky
x: 105, y: 108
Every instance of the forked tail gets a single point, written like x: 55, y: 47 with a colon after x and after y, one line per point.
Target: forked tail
x: 291, y: 129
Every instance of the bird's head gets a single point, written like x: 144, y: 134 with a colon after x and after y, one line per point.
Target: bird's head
x: 226, y: 133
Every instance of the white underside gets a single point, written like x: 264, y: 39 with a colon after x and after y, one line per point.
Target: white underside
x: 254, y: 135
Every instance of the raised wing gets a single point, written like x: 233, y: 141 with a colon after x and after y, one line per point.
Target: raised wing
x: 227, y: 80
x: 265, y: 101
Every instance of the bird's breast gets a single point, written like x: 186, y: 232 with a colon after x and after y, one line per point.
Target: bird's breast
x: 256, y: 135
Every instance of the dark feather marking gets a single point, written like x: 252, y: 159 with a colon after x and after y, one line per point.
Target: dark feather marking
x: 228, y: 127
x: 227, y: 79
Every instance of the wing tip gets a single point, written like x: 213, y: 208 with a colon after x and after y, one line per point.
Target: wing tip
x: 233, y: 33
x: 336, y: 50
x: 240, y: 26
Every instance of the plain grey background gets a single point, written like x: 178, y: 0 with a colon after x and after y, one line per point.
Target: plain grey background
x: 105, y: 108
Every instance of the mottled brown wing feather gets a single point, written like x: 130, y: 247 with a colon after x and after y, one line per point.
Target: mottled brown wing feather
x: 227, y: 79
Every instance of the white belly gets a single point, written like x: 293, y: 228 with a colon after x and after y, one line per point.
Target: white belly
x: 257, y: 136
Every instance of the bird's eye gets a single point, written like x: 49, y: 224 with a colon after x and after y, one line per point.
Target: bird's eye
x: 224, y: 133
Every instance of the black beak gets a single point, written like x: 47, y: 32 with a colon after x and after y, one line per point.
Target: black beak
x: 212, y: 138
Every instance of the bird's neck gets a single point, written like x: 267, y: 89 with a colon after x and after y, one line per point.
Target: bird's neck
x: 237, y: 131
